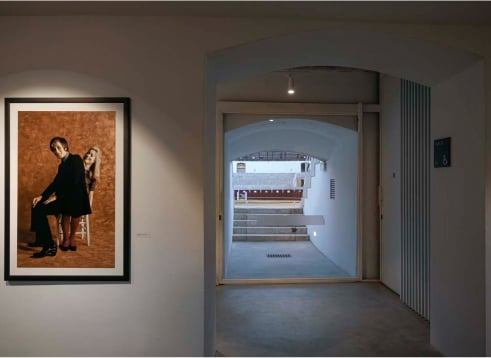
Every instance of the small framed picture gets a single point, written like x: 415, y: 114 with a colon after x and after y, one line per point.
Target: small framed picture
x: 67, y: 181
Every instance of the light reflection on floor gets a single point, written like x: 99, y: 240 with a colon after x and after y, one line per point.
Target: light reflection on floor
x: 249, y: 260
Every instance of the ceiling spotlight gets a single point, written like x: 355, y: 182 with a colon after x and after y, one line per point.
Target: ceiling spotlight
x: 291, y: 89
x: 271, y: 120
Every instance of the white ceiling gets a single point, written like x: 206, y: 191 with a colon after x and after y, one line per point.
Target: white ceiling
x: 319, y: 139
x: 419, y: 12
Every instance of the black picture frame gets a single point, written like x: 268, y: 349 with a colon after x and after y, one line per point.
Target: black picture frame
x: 117, y: 107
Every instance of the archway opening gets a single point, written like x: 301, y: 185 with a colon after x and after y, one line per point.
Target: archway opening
x: 290, y: 200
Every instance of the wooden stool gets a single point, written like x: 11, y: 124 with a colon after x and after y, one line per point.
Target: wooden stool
x: 83, y: 231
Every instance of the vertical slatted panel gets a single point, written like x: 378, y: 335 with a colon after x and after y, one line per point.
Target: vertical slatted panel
x: 415, y: 196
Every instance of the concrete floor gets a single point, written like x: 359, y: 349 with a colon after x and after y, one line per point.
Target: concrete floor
x: 249, y: 260
x: 347, y: 319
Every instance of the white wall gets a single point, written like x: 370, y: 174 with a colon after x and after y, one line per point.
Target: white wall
x: 270, y: 166
x: 390, y: 181
x: 337, y: 239
x: 228, y: 215
x: 370, y: 216
x: 457, y: 266
x: 118, y: 318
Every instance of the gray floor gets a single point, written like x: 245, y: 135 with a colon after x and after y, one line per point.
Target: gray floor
x: 249, y: 260
x: 348, y: 319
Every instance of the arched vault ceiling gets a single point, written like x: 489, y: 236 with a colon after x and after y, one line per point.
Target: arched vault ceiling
x: 316, y: 138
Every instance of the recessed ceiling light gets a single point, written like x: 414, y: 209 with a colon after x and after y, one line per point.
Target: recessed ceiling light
x: 291, y: 89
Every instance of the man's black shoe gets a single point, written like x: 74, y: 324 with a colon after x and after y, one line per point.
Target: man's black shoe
x: 34, y: 244
x: 47, y: 251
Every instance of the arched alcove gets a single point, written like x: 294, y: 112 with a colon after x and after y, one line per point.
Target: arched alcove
x: 456, y: 80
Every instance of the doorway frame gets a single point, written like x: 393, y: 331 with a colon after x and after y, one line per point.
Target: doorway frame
x: 290, y: 109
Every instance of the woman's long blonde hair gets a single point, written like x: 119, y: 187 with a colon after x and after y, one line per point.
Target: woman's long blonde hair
x: 95, y: 168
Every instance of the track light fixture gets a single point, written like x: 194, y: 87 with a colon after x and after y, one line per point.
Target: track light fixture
x: 291, y: 89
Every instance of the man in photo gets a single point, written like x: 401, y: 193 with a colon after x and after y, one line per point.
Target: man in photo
x: 66, y: 195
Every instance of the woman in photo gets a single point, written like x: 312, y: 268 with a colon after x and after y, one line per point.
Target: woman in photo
x: 92, y: 167
x: 92, y: 164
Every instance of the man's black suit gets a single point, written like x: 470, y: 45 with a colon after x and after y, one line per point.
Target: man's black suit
x: 71, y: 198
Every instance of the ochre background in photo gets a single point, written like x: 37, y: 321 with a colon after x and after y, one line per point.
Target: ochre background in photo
x: 37, y: 167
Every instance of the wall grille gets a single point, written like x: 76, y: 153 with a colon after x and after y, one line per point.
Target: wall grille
x: 415, y: 196
x: 332, y: 191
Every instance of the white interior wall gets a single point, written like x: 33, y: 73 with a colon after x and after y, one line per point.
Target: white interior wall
x: 390, y: 181
x: 116, y: 319
x: 370, y: 231
x: 269, y: 166
x: 337, y: 239
x: 457, y: 266
x: 228, y: 214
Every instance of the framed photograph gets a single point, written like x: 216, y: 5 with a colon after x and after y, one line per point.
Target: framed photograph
x: 67, y: 189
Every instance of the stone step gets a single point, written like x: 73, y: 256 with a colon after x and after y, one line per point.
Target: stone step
x: 270, y: 230
x: 242, y: 222
x: 275, y: 237
x: 279, y: 220
x: 254, y: 216
x: 255, y: 223
x: 240, y: 216
x: 266, y: 210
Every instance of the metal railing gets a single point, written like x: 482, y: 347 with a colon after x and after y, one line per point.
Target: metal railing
x: 275, y: 156
x: 268, y: 194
